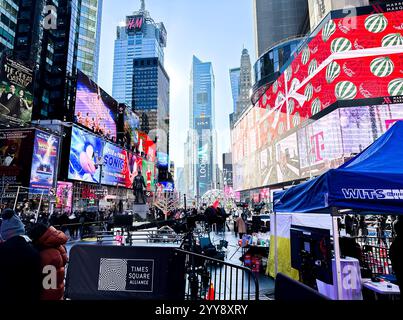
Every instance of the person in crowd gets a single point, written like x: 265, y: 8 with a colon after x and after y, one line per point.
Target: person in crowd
x: 241, y: 225
x: 20, y: 271
x: 396, y: 253
x: 51, y: 246
x: 363, y: 227
x: 348, y: 222
x: 380, y: 230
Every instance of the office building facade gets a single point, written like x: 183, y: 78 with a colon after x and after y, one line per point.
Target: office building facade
x: 276, y: 20
x: 234, y: 75
x: 89, y: 37
x: 201, y: 173
x: 139, y: 37
x: 151, y: 99
x: 47, y: 40
x: 8, y: 23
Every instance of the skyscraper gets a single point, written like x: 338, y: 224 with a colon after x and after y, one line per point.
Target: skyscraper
x: 89, y: 37
x: 8, y: 23
x: 200, y: 173
x: 138, y: 37
x: 245, y: 83
x: 151, y: 99
x: 277, y: 20
x: 48, y: 41
x: 234, y: 75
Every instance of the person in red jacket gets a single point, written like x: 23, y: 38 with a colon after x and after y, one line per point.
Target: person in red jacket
x: 51, y: 245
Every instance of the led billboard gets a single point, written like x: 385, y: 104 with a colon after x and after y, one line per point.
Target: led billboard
x: 95, y: 109
x: 86, y: 152
x: 16, y: 88
x: 119, y: 166
x: 44, y: 162
x: 341, y: 63
x: 15, y: 161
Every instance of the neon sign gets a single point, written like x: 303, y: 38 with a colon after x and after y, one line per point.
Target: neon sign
x: 135, y: 23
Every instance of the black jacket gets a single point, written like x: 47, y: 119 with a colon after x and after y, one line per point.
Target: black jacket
x: 20, y: 271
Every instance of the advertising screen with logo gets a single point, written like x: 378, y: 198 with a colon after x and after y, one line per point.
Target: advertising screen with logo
x: 134, y: 23
x: 16, y: 88
x: 131, y: 126
x: 15, y: 161
x: 119, y: 166
x: 95, y: 109
x: 44, y: 162
x: 85, y: 154
x: 64, y: 196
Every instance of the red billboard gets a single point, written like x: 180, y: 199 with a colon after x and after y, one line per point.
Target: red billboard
x: 348, y: 59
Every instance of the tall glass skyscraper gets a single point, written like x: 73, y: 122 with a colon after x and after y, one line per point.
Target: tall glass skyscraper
x: 234, y: 75
x: 89, y: 37
x: 201, y: 169
x: 8, y: 23
x: 139, y: 37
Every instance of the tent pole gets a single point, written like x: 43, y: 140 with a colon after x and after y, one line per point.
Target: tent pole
x: 337, y: 253
x: 275, y: 245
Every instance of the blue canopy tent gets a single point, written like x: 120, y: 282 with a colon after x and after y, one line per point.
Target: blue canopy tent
x: 372, y: 182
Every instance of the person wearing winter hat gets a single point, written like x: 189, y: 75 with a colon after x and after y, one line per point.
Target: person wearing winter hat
x: 51, y: 246
x: 20, y: 273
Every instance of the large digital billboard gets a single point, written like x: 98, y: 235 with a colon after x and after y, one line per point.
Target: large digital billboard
x: 44, y: 162
x: 315, y: 148
x: 147, y: 146
x: 85, y: 154
x: 16, y: 99
x: 95, y: 109
x: 148, y: 171
x: 346, y: 60
x: 119, y: 166
x: 15, y: 156
x: 131, y: 126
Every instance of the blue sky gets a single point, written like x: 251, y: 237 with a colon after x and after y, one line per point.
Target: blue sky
x: 213, y: 30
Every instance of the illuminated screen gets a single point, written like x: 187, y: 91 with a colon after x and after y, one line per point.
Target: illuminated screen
x: 348, y: 59
x: 95, y: 109
x: 85, y: 153
x: 131, y: 126
x: 162, y: 159
x: 64, y: 196
x: 44, y: 162
x: 147, y: 146
x: 148, y: 171
x: 119, y: 167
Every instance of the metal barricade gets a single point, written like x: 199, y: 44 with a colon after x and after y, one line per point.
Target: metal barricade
x: 212, y: 279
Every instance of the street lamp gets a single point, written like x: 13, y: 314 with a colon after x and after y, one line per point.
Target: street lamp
x: 99, y: 164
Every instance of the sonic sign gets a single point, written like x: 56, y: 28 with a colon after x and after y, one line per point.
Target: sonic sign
x: 134, y: 23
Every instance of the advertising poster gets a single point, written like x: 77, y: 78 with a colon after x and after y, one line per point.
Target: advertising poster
x: 95, y: 109
x: 44, y: 162
x: 16, y: 89
x: 119, y: 166
x: 162, y: 159
x: 131, y: 126
x: 148, y: 170
x: 64, y: 196
x: 147, y: 146
x: 85, y: 154
x: 15, y: 165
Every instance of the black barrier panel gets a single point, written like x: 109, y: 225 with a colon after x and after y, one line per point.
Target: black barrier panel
x: 121, y: 273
